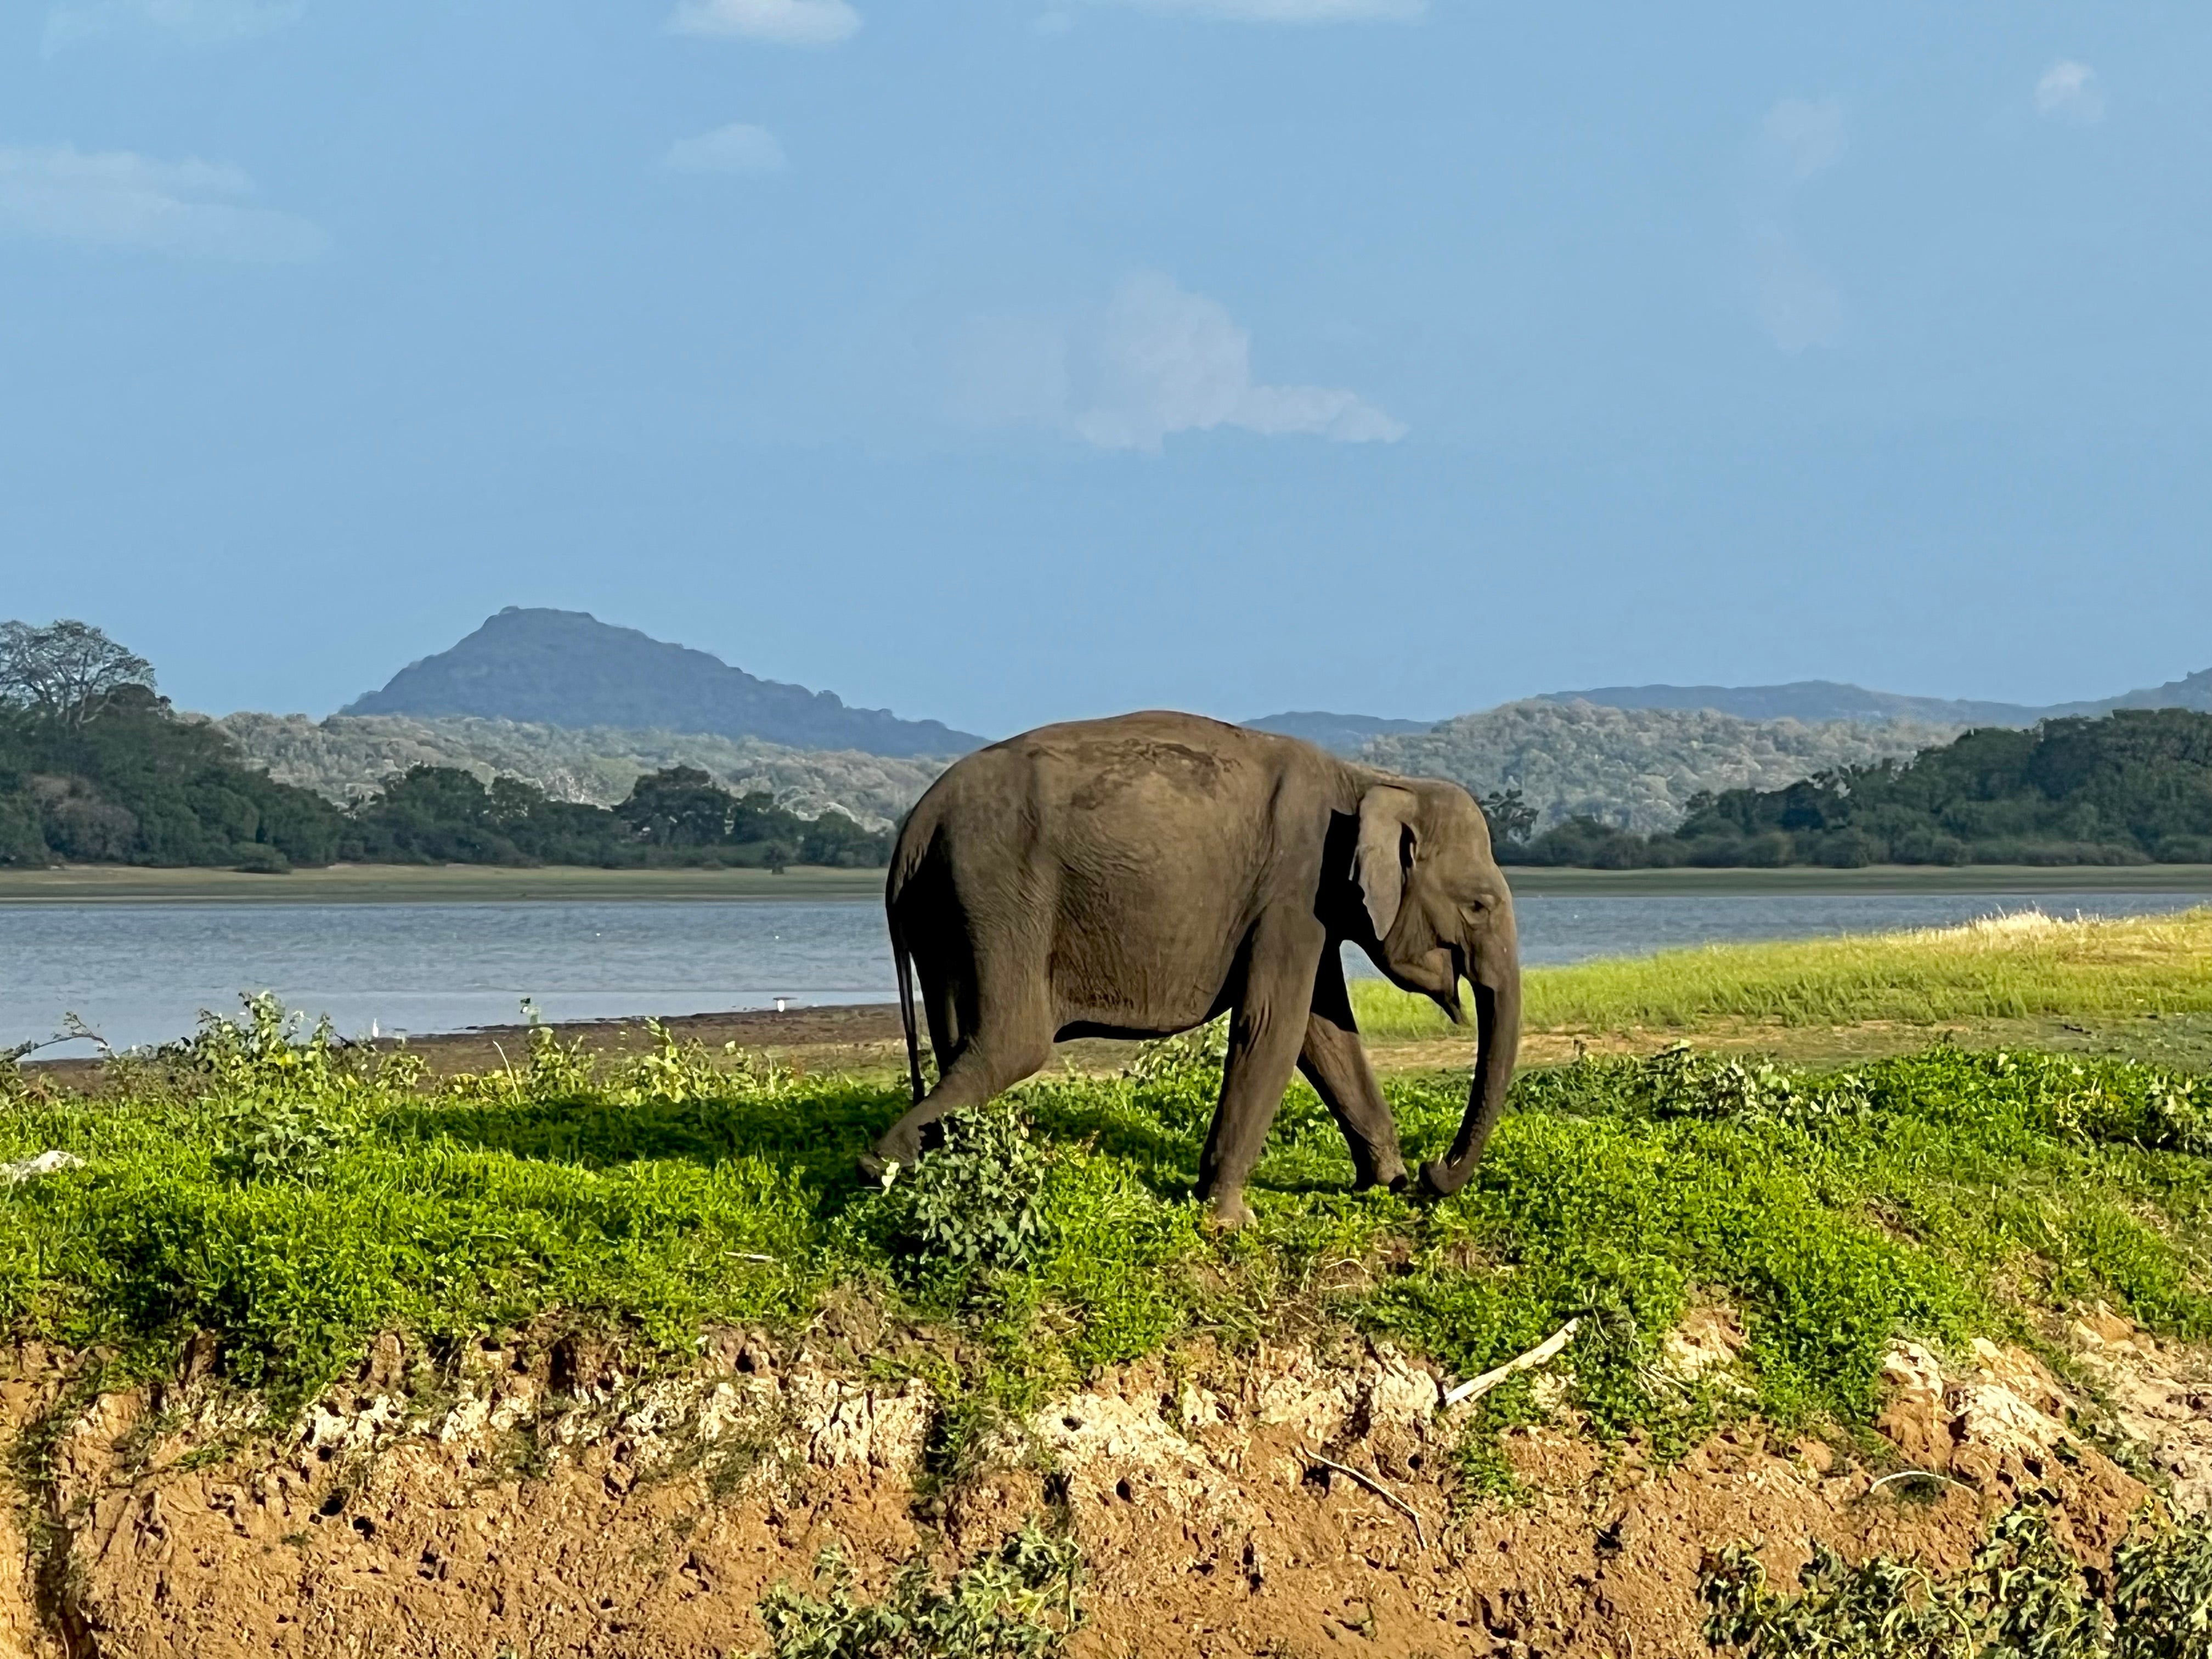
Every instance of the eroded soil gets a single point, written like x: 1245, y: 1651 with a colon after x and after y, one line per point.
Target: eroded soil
x: 538, y: 1499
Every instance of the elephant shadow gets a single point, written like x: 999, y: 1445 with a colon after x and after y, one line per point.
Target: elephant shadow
x: 815, y: 1136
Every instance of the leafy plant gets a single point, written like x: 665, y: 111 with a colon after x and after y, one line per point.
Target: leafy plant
x: 276, y: 1140
x: 2023, y: 1597
x: 277, y: 1100
x: 1018, y: 1603
x: 1680, y: 1082
x: 1178, y: 1079
x: 975, y: 1199
x: 2163, y: 1592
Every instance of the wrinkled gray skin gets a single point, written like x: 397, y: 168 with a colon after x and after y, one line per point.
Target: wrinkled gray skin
x: 1135, y: 877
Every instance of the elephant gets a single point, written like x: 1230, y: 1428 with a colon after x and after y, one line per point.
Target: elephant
x: 1135, y: 877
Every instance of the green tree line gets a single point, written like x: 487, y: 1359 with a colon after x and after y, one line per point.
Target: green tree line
x: 95, y: 768
x: 2132, y: 788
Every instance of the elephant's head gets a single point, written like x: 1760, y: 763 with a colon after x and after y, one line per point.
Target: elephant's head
x: 1440, y: 912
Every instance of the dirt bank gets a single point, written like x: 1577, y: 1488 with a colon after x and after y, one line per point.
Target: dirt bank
x: 539, y: 1499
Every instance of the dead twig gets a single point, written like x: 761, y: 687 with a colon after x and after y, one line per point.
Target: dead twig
x: 1548, y: 1349
x: 74, y: 1030
x: 1420, y: 1531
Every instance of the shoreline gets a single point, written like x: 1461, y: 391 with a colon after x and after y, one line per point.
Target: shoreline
x: 370, y: 884
x: 430, y: 884
x: 1873, y: 878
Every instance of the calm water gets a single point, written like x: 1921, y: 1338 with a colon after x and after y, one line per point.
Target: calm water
x: 139, y: 973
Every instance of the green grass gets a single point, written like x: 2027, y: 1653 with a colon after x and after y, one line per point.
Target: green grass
x: 276, y: 1193
x: 2017, y: 967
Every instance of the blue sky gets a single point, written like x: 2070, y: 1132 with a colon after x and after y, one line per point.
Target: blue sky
x: 1003, y: 361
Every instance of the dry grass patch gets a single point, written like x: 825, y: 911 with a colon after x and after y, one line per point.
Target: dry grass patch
x: 2023, y: 966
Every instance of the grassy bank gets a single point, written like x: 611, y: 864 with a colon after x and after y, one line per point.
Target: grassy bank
x: 294, y: 1201
x: 2009, y: 968
x: 1686, y: 881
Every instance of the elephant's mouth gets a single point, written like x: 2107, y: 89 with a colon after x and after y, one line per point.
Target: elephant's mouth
x: 1445, y: 967
x: 1460, y: 967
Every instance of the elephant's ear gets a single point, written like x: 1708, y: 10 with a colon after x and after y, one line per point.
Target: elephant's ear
x: 1379, y: 868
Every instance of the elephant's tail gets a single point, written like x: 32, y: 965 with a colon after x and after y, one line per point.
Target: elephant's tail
x: 907, y: 857
x: 904, y: 961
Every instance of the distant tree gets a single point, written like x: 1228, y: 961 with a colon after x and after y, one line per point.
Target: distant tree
x: 677, y: 806
x: 431, y: 815
x: 68, y: 671
x: 1511, y: 819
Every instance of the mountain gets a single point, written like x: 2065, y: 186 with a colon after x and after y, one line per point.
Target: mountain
x: 569, y: 669
x: 1809, y: 700
x: 1813, y: 701
x: 2192, y: 692
x: 1345, y: 734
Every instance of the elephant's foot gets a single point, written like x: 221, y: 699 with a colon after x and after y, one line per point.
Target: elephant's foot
x: 881, y: 1164
x: 1227, y: 1212
x: 1440, y: 1180
x: 1391, y: 1177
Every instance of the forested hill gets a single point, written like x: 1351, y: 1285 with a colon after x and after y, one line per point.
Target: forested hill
x: 95, y: 768
x: 127, y: 783
x: 2133, y: 786
x: 348, y: 757
x: 1634, y: 769
x: 569, y: 669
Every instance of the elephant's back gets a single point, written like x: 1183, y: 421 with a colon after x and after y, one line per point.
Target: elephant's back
x: 1112, y: 800
x: 1141, y: 766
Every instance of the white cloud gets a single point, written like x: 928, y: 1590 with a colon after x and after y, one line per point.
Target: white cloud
x: 1803, y: 135
x: 114, y: 198
x: 1794, y: 301
x: 737, y: 147
x: 781, y: 22
x: 192, y: 20
x: 1156, y: 360
x: 1292, y: 11
x: 2070, y: 92
x: 1798, y: 305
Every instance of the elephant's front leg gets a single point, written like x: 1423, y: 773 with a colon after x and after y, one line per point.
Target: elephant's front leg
x: 1337, y: 1066
x: 1266, y: 1029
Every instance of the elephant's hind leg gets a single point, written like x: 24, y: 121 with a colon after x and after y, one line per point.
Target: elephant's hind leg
x: 1012, y: 1039
x: 1336, y: 1064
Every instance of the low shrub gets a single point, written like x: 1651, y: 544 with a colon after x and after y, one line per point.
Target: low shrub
x: 2023, y: 1597
x: 975, y: 1199
x: 1020, y: 1602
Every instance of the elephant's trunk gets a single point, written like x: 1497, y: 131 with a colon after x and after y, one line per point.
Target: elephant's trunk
x: 1496, y: 1044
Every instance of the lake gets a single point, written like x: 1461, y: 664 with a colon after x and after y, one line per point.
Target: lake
x: 139, y: 973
